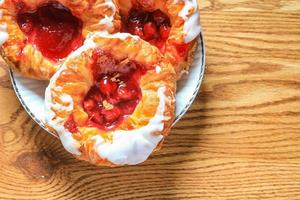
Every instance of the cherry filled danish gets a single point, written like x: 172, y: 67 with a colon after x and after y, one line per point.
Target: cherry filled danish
x: 112, y: 101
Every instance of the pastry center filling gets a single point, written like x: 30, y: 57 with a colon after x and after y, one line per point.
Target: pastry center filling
x: 115, y: 93
x: 153, y: 27
x: 52, y: 29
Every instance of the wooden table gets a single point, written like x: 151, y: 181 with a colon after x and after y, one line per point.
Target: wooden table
x: 240, y: 140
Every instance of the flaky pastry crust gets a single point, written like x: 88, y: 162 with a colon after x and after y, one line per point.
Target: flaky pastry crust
x: 75, y: 78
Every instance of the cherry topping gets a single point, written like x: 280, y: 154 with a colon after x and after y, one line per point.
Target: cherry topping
x: 94, y: 94
x: 153, y: 27
x: 71, y: 125
x: 111, y: 115
x: 27, y: 25
x: 115, y: 93
x: 52, y: 29
x: 164, y: 32
x: 97, y: 97
x: 160, y: 44
x: 107, y: 86
x: 124, y: 93
x: 138, y: 31
x: 89, y: 104
x: 150, y: 30
x: 182, y: 49
x: 97, y: 117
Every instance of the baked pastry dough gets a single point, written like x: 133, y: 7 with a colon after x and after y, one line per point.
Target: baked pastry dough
x: 36, y: 35
x: 112, y: 101
x: 171, y: 25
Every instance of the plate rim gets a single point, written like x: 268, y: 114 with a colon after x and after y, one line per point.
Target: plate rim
x: 201, y: 75
x: 177, y: 118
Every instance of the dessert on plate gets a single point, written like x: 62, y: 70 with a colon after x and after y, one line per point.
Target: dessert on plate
x: 171, y: 25
x: 112, y: 102
x: 36, y: 36
x: 112, y: 66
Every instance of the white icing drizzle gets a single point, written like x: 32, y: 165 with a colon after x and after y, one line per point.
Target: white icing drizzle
x: 121, y: 36
x: 157, y: 69
x: 3, y: 34
x: 192, y: 26
x: 108, y: 20
x: 3, y: 28
x: 134, y: 146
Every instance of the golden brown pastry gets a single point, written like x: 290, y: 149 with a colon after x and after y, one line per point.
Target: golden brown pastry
x: 37, y: 35
x: 112, y: 101
x: 171, y: 25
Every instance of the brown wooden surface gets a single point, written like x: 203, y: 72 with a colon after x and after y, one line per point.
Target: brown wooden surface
x: 240, y: 140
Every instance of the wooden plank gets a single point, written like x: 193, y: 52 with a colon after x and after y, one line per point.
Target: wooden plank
x: 249, y: 5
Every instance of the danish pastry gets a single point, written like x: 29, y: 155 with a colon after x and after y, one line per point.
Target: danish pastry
x: 36, y: 36
x: 112, y: 101
x: 171, y: 25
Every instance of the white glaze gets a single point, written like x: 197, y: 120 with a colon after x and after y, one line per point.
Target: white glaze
x: 192, y: 26
x: 157, y: 69
x: 121, y: 36
x: 108, y: 20
x: 3, y: 28
x: 3, y: 34
x: 134, y: 146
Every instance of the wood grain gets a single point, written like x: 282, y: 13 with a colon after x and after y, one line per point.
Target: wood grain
x: 240, y: 139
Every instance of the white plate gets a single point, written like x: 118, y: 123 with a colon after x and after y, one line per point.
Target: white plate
x: 31, y: 92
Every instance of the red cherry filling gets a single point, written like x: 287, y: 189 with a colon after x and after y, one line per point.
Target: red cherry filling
x: 115, y: 93
x: 52, y: 29
x: 107, y: 86
x: 71, y: 125
x: 182, y: 49
x: 153, y: 27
